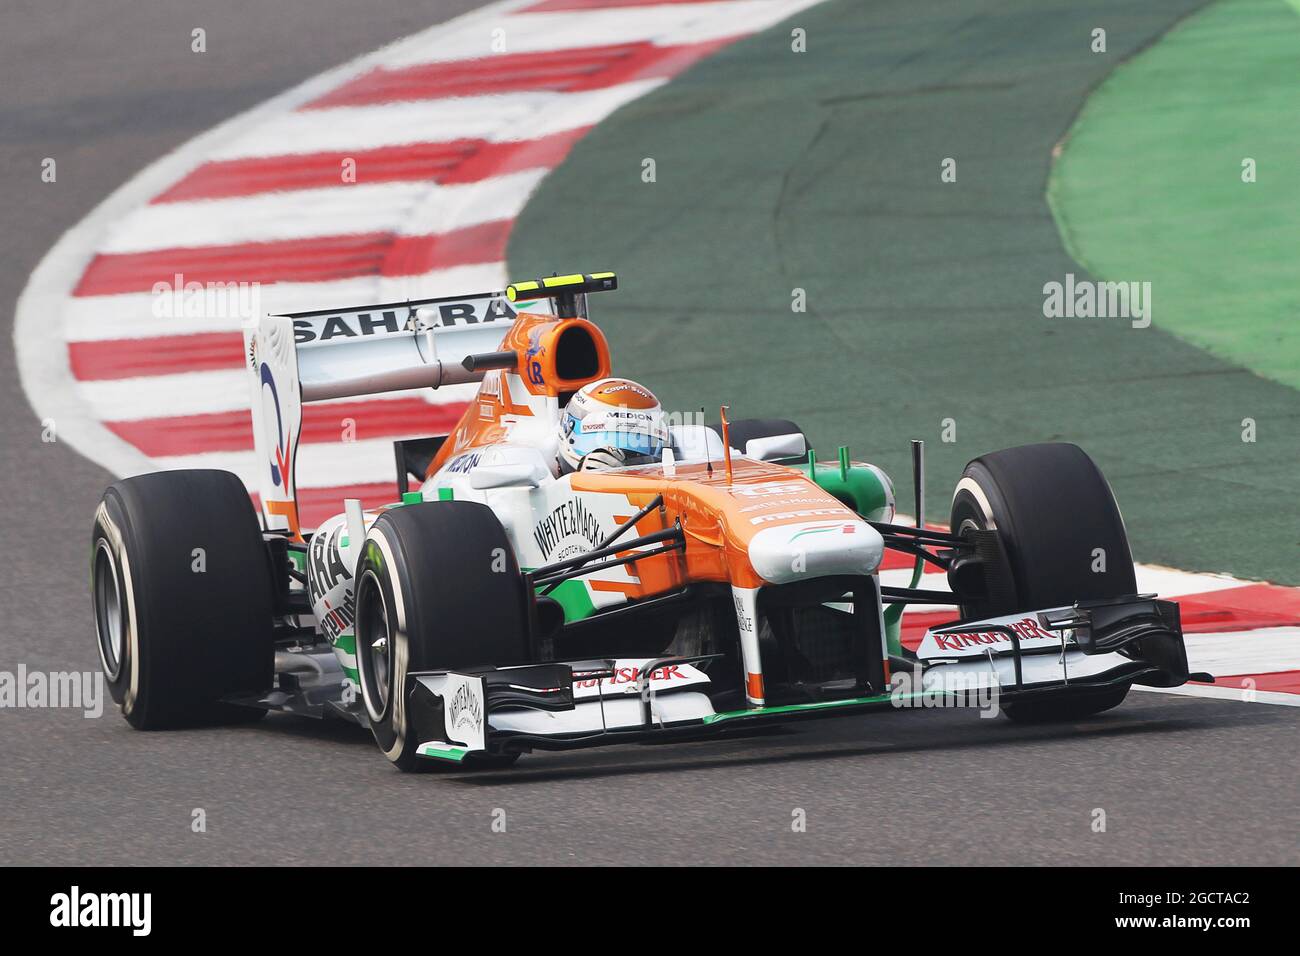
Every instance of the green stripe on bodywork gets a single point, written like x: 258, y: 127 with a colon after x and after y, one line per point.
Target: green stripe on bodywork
x: 894, y: 629
x: 575, y: 598
x: 346, y: 647
x: 446, y: 494
x: 803, y: 708
x: 443, y: 752
x: 812, y: 531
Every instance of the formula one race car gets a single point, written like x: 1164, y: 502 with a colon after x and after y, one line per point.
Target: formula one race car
x: 509, y: 603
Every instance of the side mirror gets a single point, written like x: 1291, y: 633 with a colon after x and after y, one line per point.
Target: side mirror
x: 517, y: 475
x: 776, y: 446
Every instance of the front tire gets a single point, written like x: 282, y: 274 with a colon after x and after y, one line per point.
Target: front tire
x: 181, y: 587
x: 1063, y: 539
x: 438, y: 587
x: 1058, y: 524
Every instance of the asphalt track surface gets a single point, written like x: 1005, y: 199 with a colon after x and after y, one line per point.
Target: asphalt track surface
x: 106, y: 87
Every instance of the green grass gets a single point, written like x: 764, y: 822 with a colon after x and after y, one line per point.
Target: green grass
x: 1150, y: 187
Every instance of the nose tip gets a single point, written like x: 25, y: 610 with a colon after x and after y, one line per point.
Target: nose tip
x: 811, y: 549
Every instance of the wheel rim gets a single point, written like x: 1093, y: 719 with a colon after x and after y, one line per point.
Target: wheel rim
x: 374, y: 646
x: 109, y: 622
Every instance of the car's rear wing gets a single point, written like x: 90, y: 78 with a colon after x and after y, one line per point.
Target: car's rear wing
x: 315, y: 356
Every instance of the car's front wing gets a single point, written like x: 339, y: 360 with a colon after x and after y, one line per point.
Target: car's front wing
x: 1071, y: 650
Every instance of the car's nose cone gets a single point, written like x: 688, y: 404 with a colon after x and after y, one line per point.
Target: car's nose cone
x: 796, y: 552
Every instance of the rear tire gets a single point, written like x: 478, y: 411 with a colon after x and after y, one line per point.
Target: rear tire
x: 1056, y: 519
x: 447, y: 572
x: 181, y: 587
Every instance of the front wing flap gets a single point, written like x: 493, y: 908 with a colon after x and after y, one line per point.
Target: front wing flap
x: 1136, y: 639
x: 495, y: 709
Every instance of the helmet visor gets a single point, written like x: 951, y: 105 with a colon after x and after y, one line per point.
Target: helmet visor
x: 643, y: 441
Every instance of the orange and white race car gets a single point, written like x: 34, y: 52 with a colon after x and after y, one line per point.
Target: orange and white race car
x: 577, y: 567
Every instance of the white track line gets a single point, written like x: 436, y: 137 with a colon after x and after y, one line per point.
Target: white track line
x: 1227, y: 693
x: 1157, y: 579
x: 400, y: 208
x: 502, y: 118
x: 1268, y: 650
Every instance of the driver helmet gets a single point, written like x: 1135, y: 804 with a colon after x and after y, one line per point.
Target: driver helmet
x: 613, y: 413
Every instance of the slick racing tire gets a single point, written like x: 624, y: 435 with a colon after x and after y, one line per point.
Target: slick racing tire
x: 746, y: 429
x: 437, y: 587
x: 181, y: 587
x: 1063, y: 540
